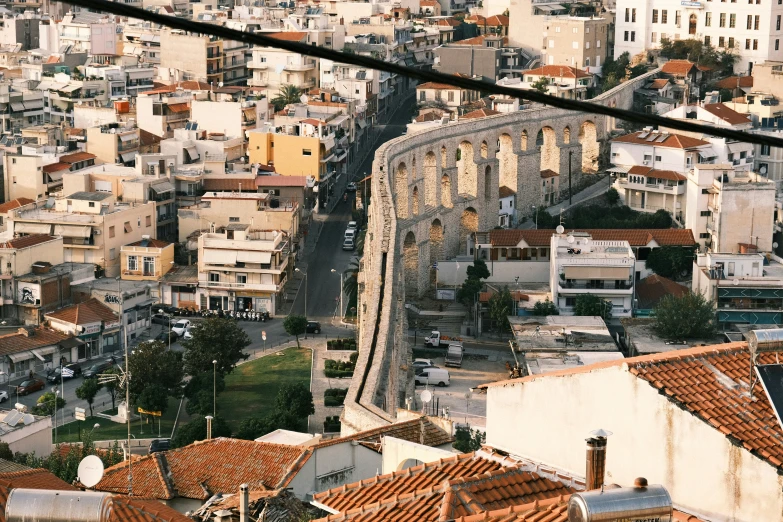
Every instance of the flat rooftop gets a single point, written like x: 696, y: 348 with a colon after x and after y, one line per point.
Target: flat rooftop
x: 90, y: 196
x: 559, y: 333
x: 538, y: 363
x: 643, y: 340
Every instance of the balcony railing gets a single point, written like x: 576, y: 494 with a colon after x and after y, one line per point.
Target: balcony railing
x: 623, y: 285
x: 271, y: 287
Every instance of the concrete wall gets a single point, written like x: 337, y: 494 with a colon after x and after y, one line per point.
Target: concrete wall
x: 703, y: 471
x: 333, y: 466
x: 452, y: 273
x: 399, y: 249
x: 33, y: 438
x: 399, y: 453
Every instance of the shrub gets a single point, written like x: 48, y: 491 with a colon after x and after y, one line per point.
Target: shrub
x: 341, y: 344
x: 338, y: 369
x: 335, y: 396
x: 353, y: 358
x: 332, y: 424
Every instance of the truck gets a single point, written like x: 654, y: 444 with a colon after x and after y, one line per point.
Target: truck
x: 436, y: 340
x: 454, y: 354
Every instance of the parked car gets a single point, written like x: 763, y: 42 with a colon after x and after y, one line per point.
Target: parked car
x: 180, y: 327
x: 352, y: 225
x: 351, y: 187
x: 3, y: 396
x: 164, y: 336
x: 437, y: 376
x: 161, y: 319
x: 29, y: 386
x: 99, y: 367
x: 159, y: 445
x: 350, y: 233
x: 188, y: 335
x: 313, y: 327
x: 423, y: 363
x: 54, y: 375
x: 348, y: 244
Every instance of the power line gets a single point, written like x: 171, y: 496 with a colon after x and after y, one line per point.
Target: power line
x: 260, y: 39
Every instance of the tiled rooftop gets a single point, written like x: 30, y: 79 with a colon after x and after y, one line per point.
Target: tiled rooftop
x: 19, y: 342
x: 410, y: 430
x: 26, y: 241
x: 635, y: 237
x: 89, y: 311
x: 30, y: 479
x: 672, y: 141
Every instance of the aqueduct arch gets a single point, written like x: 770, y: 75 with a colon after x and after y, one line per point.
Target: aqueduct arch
x: 467, y: 172
x: 508, y: 163
x: 401, y: 189
x: 588, y: 138
x: 410, y: 256
x: 436, y: 245
x: 468, y: 224
x: 415, y: 203
x: 546, y: 141
x: 488, y: 182
x: 445, y: 191
x: 430, y: 180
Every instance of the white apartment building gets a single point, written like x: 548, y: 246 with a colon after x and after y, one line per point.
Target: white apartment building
x: 581, y: 265
x: 752, y: 28
x: 272, y: 68
x: 240, y: 268
x: 313, y: 21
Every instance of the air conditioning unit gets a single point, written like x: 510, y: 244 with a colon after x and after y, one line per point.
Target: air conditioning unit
x: 97, y: 232
x: 646, y: 162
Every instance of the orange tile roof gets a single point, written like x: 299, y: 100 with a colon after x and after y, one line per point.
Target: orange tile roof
x: 143, y: 510
x: 678, y: 67
x: 731, y: 82
x: 451, y: 22
x: 89, y: 311
x: 14, y: 203
x: 56, y: 167
x: 480, y: 113
x: 207, y: 467
x: 31, y: 479
x: 434, y: 85
x: 26, y: 241
x: 658, y: 83
x: 728, y: 115
x: 674, y: 141
x: 653, y: 288
x: 558, y: 71
x: 504, y: 192
x: 547, y: 173
x: 410, y: 430
x: 636, y: 237
x: 153, y: 243
x: 290, y: 36
x: 179, y: 107
x: 77, y: 157
x: 641, y: 170
x: 313, y: 122
x: 498, y: 20
x: 18, y: 342
x: 478, y: 40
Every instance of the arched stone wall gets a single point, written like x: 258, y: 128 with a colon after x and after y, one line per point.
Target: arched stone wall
x: 588, y: 138
x: 401, y: 186
x: 415, y: 202
x: 436, y: 246
x: 467, y: 173
x: 430, y: 180
x: 508, y: 163
x: 550, y: 152
x: 468, y: 224
x: 410, y: 255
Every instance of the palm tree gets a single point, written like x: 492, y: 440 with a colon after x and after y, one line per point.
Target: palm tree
x: 351, y: 278
x: 288, y: 94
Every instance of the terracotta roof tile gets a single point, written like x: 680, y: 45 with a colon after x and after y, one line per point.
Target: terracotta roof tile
x: 653, y: 288
x: 450, y: 22
x: 480, y: 113
x: 726, y: 114
x: 558, y: 71
x: 678, y: 67
x: 76, y: 157
x: 178, y: 107
x: 674, y: 141
x: 479, y: 40
x: 636, y: 237
x: 290, y: 36
x: 18, y: 342
x: 56, y: 167
x: 504, y: 192
x: 212, y: 466
x: 409, y: 430
x: 658, y: 83
x: 14, y: 203
x: 153, y: 243
x: 89, y: 311
x: 548, y: 173
x: 731, y: 82
x: 31, y: 479
x: 434, y: 85
x: 26, y: 241
x: 144, y: 510
x: 498, y: 20
x: 670, y: 175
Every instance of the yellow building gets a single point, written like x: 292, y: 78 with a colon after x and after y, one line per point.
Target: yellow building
x: 146, y: 260
x: 291, y: 155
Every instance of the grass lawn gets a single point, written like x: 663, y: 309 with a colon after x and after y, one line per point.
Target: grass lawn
x: 252, y: 387
x: 114, y: 431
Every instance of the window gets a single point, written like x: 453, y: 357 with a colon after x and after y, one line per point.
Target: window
x: 647, y: 157
x: 731, y: 42
x: 708, y: 19
x: 570, y: 301
x: 149, y: 266
x: 575, y: 45
x: 763, y: 169
x: 777, y: 23
x: 705, y: 213
x: 633, y: 36
x: 722, y: 22
x: 706, y: 40
x: 777, y: 45
x: 755, y: 45
x: 133, y: 263
x: 557, y: 28
x: 575, y: 30
x: 731, y: 268
x: 91, y: 204
x: 732, y: 20
x: 307, y: 152
x: 451, y: 96
x: 704, y: 236
x: 747, y: 43
x: 587, y: 45
x: 422, y: 96
x: 664, y: 16
x: 627, y: 15
x: 112, y: 254
x: 705, y: 191
x: 677, y: 18
x: 625, y: 39
x: 633, y: 15
x: 233, y: 219
x: 111, y: 231
x: 721, y: 42
x: 214, y: 277
x: 749, y: 26
x: 149, y: 221
x: 655, y: 16
x: 657, y: 158
x: 242, y: 279
x: 756, y: 22
x: 128, y: 227
x: 598, y: 45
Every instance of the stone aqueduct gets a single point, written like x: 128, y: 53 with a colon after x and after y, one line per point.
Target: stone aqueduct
x: 430, y: 191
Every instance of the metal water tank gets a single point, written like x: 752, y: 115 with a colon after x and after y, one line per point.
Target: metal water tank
x: 35, y: 505
x: 637, y: 504
x: 765, y: 340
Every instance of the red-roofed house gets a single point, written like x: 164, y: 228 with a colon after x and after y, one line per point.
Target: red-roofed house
x: 564, y: 81
x: 716, y: 114
x: 690, y: 419
x: 496, y: 24
x: 432, y: 94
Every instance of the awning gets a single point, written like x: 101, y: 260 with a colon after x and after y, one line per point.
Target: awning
x: 735, y: 148
x: 179, y: 107
x: 73, y: 342
x: 362, y: 123
x: 707, y: 153
x: 21, y: 356
x: 128, y: 137
x: 72, y: 231
x: 263, y: 258
x: 328, y: 143
x: 597, y: 272
x: 17, y: 107
x: 249, y: 114
x: 619, y: 170
x: 70, y: 88
x: 32, y: 228
x: 193, y: 153
x: 30, y: 105
x: 41, y: 352
x: 44, y: 85
x: 162, y: 188
x: 56, y: 176
x: 127, y: 157
x: 220, y: 257
x: 146, y: 37
x: 338, y: 120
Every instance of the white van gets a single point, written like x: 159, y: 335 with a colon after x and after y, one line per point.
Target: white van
x: 350, y: 233
x: 431, y: 375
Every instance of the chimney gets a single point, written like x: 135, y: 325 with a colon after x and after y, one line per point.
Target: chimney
x: 244, y: 503
x: 596, y: 459
x: 209, y: 427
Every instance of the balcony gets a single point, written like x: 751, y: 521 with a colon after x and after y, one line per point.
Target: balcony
x: 299, y: 66
x: 258, y: 287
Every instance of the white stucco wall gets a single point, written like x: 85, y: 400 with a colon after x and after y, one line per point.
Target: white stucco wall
x: 33, y: 438
x: 397, y: 451
x: 332, y: 466
x: 547, y: 420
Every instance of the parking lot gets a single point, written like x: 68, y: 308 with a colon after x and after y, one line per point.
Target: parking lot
x: 465, y: 407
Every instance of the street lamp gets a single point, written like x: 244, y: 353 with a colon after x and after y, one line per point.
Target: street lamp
x: 305, y: 276
x: 535, y: 215
x: 56, y: 393
x: 160, y: 311
x: 341, y: 293
x: 95, y: 427
x: 214, y: 387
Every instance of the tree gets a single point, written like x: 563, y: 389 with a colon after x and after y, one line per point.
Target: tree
x: 545, y: 307
x: 251, y: 429
x: 5, y: 451
x: 468, y: 440
x: 288, y: 94
x: 671, y: 261
x: 215, y: 339
x: 113, y: 386
x: 152, y: 364
x: 637, y: 70
x: 501, y: 305
x: 610, y: 82
x: 46, y: 403
x: 296, y: 399
x: 590, y: 304
x: 541, y: 84
x: 196, y: 430
x: 467, y: 292
x: 612, y: 196
x: 154, y: 397
x: 688, y: 317
x: 478, y: 270
x: 295, y: 325
x: 87, y: 391
x: 199, y: 392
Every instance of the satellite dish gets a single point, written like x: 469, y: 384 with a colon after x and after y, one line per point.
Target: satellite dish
x: 426, y: 396
x: 571, y: 240
x: 303, y: 98
x: 774, y: 245
x: 560, y: 229
x: 220, y: 84
x: 763, y: 170
x: 90, y: 470
x: 735, y: 281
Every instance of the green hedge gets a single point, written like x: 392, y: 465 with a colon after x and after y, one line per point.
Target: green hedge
x: 424, y: 353
x: 341, y: 344
x: 338, y: 369
x: 332, y: 424
x: 335, y: 396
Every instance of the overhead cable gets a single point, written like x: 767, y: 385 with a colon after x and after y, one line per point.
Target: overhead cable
x: 260, y: 39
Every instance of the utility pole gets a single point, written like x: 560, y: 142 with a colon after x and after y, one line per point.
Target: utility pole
x: 570, y: 153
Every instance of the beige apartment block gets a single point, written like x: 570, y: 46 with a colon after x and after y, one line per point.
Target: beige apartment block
x: 113, y: 144
x: 220, y: 209
x: 146, y: 260
x: 197, y: 57
x: 272, y: 68
x: 577, y: 41
x: 94, y: 227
